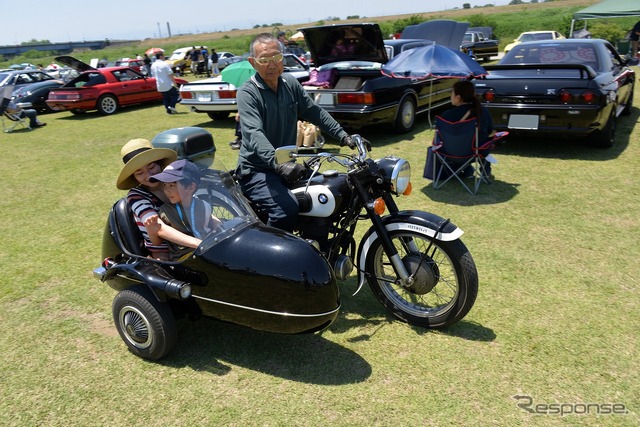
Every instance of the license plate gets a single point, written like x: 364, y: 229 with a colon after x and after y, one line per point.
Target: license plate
x: 325, y: 99
x: 204, y: 97
x: 523, y: 121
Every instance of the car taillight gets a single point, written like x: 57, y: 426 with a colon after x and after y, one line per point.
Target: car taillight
x: 564, y: 96
x: 70, y: 96
x: 227, y: 94
x: 186, y: 95
x: 489, y: 95
x: 366, y: 98
x: 588, y: 96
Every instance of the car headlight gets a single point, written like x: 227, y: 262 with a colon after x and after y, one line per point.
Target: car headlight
x: 398, y: 171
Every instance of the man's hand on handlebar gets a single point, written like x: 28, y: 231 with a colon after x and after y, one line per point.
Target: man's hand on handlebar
x: 350, y: 141
x: 291, y: 171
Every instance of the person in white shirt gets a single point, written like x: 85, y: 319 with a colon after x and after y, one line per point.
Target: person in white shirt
x: 165, y: 83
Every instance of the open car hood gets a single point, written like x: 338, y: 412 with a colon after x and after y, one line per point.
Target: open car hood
x: 365, y: 40
x: 74, y: 63
x: 442, y: 31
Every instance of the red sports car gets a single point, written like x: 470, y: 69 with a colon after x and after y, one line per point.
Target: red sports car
x: 103, y: 89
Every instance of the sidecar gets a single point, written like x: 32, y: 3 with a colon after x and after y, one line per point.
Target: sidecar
x: 244, y: 271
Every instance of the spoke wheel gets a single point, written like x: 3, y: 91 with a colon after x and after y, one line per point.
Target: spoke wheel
x: 445, y: 282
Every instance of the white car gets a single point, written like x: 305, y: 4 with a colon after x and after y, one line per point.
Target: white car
x: 222, y: 57
x: 217, y: 98
x: 531, y: 36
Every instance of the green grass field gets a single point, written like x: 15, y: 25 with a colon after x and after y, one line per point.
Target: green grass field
x: 555, y: 240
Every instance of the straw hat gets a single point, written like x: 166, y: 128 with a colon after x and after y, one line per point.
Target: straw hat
x: 138, y: 153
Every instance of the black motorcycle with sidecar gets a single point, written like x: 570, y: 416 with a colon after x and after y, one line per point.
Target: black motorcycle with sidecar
x: 250, y: 274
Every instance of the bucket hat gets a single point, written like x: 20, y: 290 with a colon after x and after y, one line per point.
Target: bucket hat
x: 138, y: 153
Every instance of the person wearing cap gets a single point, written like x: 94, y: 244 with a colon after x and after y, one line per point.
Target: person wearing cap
x: 184, y: 213
x: 141, y: 161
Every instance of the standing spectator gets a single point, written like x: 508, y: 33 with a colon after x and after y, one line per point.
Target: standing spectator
x: 195, y: 57
x: 282, y: 38
x: 235, y: 145
x: 165, y: 83
x: 205, y: 59
x: 147, y: 64
x: 214, y: 62
x: 634, y: 37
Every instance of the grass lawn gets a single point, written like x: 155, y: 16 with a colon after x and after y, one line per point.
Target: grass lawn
x: 555, y: 240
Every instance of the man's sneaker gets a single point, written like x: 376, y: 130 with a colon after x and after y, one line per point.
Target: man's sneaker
x: 235, y: 145
x: 172, y: 110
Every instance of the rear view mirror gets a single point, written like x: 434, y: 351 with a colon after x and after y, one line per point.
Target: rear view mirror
x: 285, y: 154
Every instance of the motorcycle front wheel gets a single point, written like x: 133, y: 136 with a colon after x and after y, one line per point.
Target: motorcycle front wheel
x: 445, y: 282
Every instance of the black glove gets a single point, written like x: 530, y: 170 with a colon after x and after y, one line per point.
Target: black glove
x: 348, y: 141
x: 290, y: 171
x: 351, y: 141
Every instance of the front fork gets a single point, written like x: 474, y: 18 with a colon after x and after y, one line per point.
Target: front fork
x: 405, y: 279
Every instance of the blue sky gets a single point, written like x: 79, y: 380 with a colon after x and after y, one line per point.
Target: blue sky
x: 116, y: 19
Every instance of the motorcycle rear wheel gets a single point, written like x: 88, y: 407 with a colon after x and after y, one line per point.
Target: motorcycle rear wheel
x: 446, y: 282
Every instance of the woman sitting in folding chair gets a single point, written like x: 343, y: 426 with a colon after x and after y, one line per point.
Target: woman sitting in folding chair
x: 466, y: 105
x: 462, y: 142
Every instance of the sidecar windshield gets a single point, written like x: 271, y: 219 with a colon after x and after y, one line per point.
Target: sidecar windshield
x: 223, y: 210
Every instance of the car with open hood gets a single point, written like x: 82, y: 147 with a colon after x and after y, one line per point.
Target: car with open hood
x: 349, y: 85
x: 104, y: 89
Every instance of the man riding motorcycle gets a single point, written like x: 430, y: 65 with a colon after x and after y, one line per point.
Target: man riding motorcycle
x: 270, y: 104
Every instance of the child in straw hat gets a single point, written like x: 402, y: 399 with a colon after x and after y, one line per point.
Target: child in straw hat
x: 141, y: 161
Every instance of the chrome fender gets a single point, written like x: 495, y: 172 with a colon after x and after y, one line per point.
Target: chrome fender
x: 421, y: 222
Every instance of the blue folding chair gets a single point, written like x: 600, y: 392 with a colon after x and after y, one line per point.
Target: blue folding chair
x: 456, y: 154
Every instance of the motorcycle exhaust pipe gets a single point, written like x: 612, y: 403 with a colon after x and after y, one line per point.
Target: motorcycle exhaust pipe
x: 152, y: 275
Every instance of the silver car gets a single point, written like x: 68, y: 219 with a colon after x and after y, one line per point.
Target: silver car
x: 217, y: 98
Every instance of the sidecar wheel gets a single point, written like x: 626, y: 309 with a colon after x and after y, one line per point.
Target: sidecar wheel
x: 145, y: 324
x: 445, y: 286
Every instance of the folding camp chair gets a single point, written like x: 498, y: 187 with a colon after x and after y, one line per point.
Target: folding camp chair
x: 456, y: 154
x: 6, y: 92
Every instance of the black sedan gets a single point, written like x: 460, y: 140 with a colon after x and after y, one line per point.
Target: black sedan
x: 350, y: 86
x: 34, y: 95
x: 572, y: 88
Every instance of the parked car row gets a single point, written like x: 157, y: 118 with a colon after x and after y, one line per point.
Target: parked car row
x: 217, y: 98
x: 552, y: 86
x: 180, y: 59
x: 104, y: 89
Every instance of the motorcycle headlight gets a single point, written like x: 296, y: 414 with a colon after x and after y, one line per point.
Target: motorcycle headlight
x: 398, y: 171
